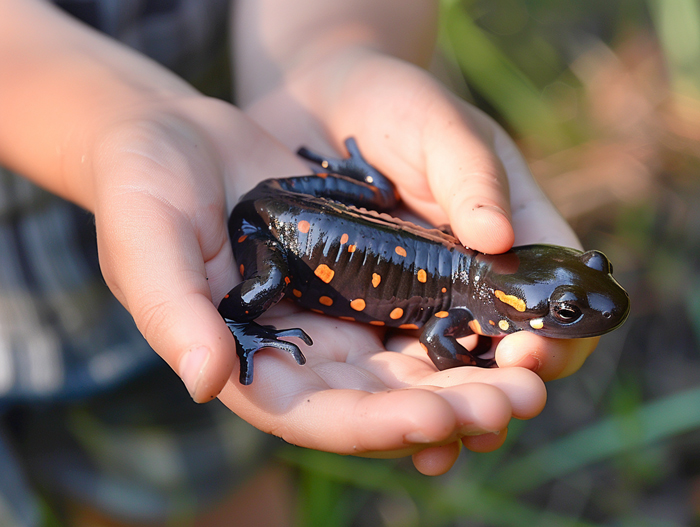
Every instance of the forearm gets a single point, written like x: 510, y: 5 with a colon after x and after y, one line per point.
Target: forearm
x: 62, y: 83
x: 275, y: 39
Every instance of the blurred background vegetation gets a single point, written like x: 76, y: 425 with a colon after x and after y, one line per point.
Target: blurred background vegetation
x: 604, y: 99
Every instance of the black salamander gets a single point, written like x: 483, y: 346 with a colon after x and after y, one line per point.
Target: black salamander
x: 313, y: 239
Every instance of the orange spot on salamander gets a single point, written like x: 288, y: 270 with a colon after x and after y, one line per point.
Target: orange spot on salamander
x: 324, y: 272
x: 441, y: 314
x: 511, y: 300
x: 352, y: 248
x: 537, y: 323
x: 444, y: 290
x: 475, y: 327
x: 326, y: 301
x: 358, y: 304
x: 241, y: 269
x: 422, y: 276
x: 303, y: 226
x: 349, y: 319
x: 296, y: 293
x: 376, y: 323
x: 242, y: 238
x: 400, y: 250
x: 376, y: 279
x: 396, y: 313
x: 344, y: 238
x: 287, y: 280
x: 408, y: 326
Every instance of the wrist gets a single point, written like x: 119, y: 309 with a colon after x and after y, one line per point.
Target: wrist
x: 320, y: 103
x: 276, y: 41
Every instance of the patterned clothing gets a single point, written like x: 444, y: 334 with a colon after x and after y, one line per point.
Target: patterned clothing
x: 87, y: 409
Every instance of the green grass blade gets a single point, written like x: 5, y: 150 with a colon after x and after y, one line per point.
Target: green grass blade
x: 677, y: 24
x: 614, y: 435
x: 499, y: 80
x: 441, y: 500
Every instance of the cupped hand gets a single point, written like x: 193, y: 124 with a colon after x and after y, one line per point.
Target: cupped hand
x: 451, y: 163
x: 162, y: 179
x: 357, y: 395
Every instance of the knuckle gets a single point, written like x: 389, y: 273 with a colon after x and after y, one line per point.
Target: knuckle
x: 150, y: 312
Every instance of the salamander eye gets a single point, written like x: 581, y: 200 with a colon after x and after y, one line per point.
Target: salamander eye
x: 565, y: 305
x: 596, y: 260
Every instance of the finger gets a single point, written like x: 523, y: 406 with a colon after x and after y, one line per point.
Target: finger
x: 478, y: 407
x: 437, y: 460
x: 152, y: 260
x: 485, y: 442
x: 549, y: 358
x: 411, y: 128
x: 344, y: 421
x: 467, y: 178
x: 523, y: 388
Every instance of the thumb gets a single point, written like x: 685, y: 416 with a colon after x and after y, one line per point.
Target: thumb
x: 467, y: 178
x: 152, y: 261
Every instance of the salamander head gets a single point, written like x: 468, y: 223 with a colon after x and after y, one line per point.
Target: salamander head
x: 552, y: 291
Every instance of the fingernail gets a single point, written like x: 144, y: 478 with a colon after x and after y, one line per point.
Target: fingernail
x: 417, y: 437
x: 192, y: 367
x: 477, y: 432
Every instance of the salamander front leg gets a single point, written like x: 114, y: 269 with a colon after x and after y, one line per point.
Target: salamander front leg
x: 251, y: 337
x: 439, y: 338
x: 260, y: 290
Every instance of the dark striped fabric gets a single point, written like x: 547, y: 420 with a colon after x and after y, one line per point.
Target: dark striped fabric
x: 87, y: 410
x: 187, y: 36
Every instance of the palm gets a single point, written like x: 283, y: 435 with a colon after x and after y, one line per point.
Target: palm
x: 165, y: 250
x: 354, y: 397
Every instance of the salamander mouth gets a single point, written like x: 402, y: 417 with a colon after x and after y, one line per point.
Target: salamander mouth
x: 583, y: 330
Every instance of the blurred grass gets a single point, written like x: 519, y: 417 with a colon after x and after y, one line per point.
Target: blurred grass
x: 677, y: 24
x: 495, y: 76
x: 604, y: 99
x: 489, y: 491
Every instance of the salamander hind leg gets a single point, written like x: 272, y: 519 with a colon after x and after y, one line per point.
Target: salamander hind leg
x: 260, y: 290
x: 439, y: 338
x: 355, y: 166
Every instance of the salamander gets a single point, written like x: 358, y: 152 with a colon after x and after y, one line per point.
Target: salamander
x: 326, y: 241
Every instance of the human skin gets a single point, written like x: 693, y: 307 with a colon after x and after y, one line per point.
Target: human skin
x: 160, y: 166
x: 314, y: 72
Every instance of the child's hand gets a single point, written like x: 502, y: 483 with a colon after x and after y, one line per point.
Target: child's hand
x: 161, y: 178
x: 451, y: 164
x: 160, y: 184
x: 157, y: 163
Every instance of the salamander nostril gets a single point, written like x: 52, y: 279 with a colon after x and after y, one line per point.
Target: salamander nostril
x: 607, y: 314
